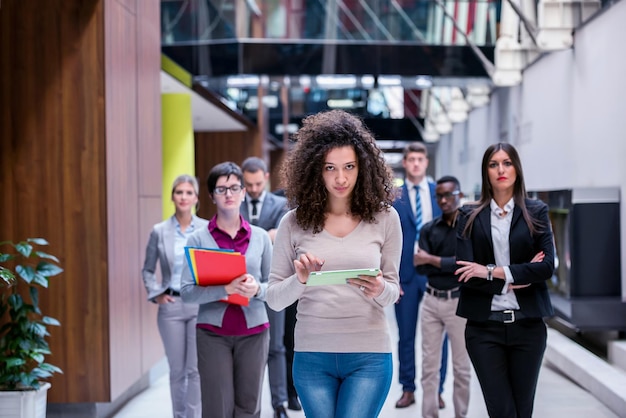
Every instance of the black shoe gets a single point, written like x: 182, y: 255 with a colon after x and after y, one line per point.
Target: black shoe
x: 279, y: 412
x: 294, y: 404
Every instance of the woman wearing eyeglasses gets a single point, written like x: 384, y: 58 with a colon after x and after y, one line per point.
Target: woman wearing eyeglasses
x: 233, y: 340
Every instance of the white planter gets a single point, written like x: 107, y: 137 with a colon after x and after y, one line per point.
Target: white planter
x: 24, y: 404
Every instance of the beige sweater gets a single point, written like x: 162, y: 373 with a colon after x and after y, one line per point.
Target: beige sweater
x: 338, y: 318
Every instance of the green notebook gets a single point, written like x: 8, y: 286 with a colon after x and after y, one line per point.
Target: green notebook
x: 320, y: 278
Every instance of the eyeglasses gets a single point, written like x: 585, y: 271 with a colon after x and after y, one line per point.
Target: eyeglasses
x: 234, y: 189
x: 448, y: 195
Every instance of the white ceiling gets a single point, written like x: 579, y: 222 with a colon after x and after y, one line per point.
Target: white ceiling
x: 206, y: 116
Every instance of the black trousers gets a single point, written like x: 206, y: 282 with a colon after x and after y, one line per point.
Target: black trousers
x: 290, y: 325
x: 507, y: 359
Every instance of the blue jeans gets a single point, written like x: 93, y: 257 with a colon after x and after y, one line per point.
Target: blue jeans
x: 342, y: 385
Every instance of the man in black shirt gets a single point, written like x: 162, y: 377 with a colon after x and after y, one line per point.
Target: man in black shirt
x: 436, y: 260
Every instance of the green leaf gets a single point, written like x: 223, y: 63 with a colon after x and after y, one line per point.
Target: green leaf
x: 34, y: 295
x: 48, y: 269
x: 41, y: 254
x: 50, y: 321
x: 14, y: 362
x: 40, y: 373
x: 40, y: 280
x: 7, y: 275
x: 38, y: 241
x: 25, y: 272
x: 50, y: 368
x: 16, y: 301
x: 43, y: 350
x: 24, y: 248
x: 39, y: 329
x: 39, y: 358
x: 32, y: 382
x: 6, y: 257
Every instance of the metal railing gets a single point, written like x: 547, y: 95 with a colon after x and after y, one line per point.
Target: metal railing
x: 360, y: 21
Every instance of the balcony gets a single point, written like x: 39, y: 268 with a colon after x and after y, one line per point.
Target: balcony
x: 293, y: 37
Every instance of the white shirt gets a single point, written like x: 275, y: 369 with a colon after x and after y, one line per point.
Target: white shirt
x: 259, y: 206
x: 500, y: 230
x: 180, y: 241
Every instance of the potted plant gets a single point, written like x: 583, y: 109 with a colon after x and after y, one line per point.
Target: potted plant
x: 24, y: 270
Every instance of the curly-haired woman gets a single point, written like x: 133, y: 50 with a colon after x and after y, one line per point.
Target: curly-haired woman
x: 342, y: 191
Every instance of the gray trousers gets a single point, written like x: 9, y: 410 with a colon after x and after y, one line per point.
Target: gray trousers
x: 231, y: 373
x: 276, y: 361
x: 177, y: 326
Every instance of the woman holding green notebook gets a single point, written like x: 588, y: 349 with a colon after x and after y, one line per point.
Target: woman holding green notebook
x: 342, y: 191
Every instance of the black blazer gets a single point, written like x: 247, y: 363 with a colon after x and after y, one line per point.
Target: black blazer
x: 477, y: 293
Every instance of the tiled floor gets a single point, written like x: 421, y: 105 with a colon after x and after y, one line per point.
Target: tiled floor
x: 557, y: 396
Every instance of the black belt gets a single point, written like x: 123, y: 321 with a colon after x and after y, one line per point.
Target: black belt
x: 444, y: 294
x: 506, y: 317
x: 172, y: 292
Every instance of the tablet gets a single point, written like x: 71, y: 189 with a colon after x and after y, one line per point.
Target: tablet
x: 320, y: 278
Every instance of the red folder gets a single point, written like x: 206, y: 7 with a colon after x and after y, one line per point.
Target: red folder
x: 211, y: 267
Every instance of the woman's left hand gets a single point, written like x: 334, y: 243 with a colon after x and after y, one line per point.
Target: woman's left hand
x: 247, y: 286
x: 371, y: 286
x: 469, y: 270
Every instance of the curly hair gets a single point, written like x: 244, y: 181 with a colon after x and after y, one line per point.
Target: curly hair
x: 302, y: 170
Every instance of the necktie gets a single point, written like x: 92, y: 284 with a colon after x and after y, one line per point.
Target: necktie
x: 418, y: 212
x: 255, y: 214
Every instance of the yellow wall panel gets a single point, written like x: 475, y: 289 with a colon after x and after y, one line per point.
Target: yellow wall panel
x: 178, y: 143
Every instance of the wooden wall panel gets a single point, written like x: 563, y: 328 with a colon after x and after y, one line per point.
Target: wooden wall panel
x: 212, y: 148
x: 149, y: 160
x: 133, y: 124
x: 52, y: 136
x: 122, y: 195
x: 79, y: 152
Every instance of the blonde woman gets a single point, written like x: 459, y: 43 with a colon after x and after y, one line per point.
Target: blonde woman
x: 176, y: 320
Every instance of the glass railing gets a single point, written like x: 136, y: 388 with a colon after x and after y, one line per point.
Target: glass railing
x: 437, y: 22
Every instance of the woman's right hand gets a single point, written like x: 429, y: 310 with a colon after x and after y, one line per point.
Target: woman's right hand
x: 163, y: 298
x: 305, y: 265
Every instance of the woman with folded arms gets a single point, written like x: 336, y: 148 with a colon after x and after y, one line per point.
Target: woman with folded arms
x: 342, y: 191
x: 176, y: 320
x: 505, y: 247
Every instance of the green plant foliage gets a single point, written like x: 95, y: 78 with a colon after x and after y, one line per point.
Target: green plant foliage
x: 23, y: 327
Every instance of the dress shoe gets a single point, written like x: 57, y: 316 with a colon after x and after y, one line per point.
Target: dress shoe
x: 279, y: 412
x: 407, y: 399
x: 442, y: 404
x: 294, y: 404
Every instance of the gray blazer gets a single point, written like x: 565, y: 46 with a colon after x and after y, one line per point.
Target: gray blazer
x: 258, y: 260
x: 273, y: 209
x: 161, y: 247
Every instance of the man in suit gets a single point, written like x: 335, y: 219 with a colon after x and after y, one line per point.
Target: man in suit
x: 266, y: 210
x: 416, y: 206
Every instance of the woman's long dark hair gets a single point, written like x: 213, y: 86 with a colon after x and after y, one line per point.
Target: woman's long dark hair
x: 519, y: 189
